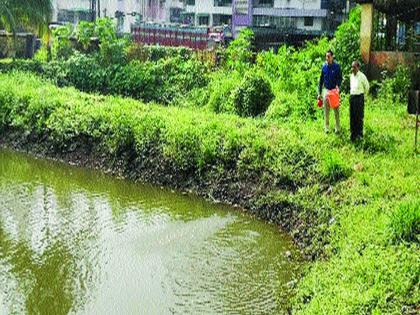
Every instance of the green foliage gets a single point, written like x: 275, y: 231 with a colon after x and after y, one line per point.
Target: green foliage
x: 334, y: 168
x: 190, y: 139
x: 295, y: 73
x: 405, y: 222
x: 253, y: 95
x: 346, y: 45
x: 31, y: 15
x: 145, y: 53
x: 8, y: 65
x: 41, y: 55
x: 375, y: 142
x: 284, y: 106
x: 297, y: 176
x: 85, y: 31
x: 61, y: 45
x: 220, y: 89
x: 240, y: 54
x: 163, y: 81
x: 395, y: 87
x: 83, y: 72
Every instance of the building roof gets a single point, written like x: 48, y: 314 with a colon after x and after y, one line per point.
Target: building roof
x: 404, y: 9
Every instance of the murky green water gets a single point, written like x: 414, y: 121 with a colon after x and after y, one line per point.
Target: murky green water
x: 80, y: 242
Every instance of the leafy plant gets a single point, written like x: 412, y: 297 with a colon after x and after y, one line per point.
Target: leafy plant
x: 346, y: 45
x: 334, y: 168
x: 404, y: 222
x: 85, y: 31
x: 253, y: 95
x: 240, y: 54
x: 61, y: 45
x: 395, y: 86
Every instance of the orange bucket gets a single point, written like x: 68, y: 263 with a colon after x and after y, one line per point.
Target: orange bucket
x: 333, y: 97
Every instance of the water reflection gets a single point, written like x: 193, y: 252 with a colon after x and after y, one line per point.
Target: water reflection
x: 76, y: 241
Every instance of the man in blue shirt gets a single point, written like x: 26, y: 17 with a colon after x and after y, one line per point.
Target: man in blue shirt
x: 330, y: 79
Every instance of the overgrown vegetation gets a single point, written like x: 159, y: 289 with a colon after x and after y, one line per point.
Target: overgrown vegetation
x: 355, y: 207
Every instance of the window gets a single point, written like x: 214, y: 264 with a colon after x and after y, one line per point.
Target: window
x: 279, y: 22
x: 221, y: 19
x: 203, y: 20
x: 222, y: 3
x: 263, y: 3
x: 190, y: 2
x: 309, y: 21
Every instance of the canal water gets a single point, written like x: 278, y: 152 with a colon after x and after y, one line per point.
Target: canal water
x: 76, y: 241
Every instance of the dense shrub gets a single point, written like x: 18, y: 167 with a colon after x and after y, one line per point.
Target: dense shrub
x: 240, y: 54
x: 162, y: 81
x: 191, y: 139
x: 140, y: 52
x: 283, y: 106
x: 405, y: 222
x: 62, y: 47
x: 83, y: 72
x: 296, y: 72
x: 8, y: 65
x: 220, y: 89
x: 346, y: 45
x: 395, y: 86
x: 253, y: 95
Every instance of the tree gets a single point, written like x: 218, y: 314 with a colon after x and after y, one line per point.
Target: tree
x: 33, y: 15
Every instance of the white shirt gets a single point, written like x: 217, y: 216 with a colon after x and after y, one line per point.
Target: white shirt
x: 359, y: 84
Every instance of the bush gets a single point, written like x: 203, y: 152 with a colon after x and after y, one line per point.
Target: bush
x: 61, y: 42
x: 283, y: 106
x: 41, y: 55
x: 240, y: 53
x: 396, y: 86
x: 221, y: 88
x: 405, y: 222
x: 253, y: 96
x: 8, y: 65
x: 346, y: 45
x: 86, y: 74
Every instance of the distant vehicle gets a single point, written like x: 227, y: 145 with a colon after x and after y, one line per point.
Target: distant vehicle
x: 200, y: 38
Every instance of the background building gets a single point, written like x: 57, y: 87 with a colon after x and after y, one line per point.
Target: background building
x: 126, y: 12
x: 273, y: 21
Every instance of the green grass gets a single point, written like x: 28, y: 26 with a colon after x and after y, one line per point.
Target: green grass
x: 355, y: 207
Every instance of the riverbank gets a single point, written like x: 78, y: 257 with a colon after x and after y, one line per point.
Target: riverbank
x: 221, y: 157
x: 338, y: 201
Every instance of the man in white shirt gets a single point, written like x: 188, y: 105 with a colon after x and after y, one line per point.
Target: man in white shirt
x: 359, y: 87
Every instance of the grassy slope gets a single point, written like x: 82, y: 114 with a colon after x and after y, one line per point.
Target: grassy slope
x: 370, y: 270
x: 368, y: 267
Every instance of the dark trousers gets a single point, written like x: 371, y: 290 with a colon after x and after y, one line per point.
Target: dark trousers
x: 357, y: 112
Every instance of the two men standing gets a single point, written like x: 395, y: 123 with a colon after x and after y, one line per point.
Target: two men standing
x: 331, y: 78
